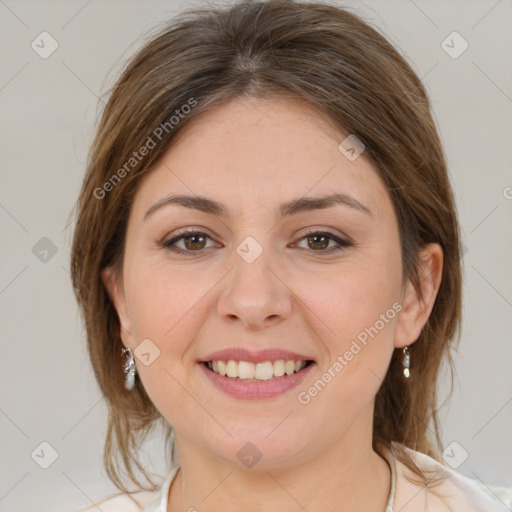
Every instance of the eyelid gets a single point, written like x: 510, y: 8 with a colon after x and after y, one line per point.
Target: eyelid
x: 342, y: 241
x: 328, y: 231
x: 183, y: 233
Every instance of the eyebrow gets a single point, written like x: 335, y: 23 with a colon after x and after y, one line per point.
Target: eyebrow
x: 293, y: 207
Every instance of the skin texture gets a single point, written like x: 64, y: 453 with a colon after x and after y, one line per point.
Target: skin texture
x: 252, y: 155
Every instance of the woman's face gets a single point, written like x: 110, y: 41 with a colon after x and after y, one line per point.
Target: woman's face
x: 258, y: 285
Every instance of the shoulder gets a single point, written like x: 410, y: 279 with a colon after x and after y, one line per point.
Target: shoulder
x: 136, y: 502
x: 455, y: 492
x: 143, y: 501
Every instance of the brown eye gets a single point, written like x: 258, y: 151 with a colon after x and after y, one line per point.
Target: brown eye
x: 193, y: 241
x: 318, y: 241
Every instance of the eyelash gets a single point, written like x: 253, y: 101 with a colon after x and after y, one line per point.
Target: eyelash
x: 342, y: 244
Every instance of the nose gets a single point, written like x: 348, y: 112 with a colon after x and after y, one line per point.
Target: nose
x: 254, y: 294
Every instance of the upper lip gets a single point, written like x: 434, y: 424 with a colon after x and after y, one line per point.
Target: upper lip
x: 254, y: 356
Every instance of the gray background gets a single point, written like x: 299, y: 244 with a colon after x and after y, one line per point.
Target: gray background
x: 47, y: 120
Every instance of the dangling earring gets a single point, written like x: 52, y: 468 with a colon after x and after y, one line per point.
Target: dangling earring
x: 406, y: 362
x: 129, y: 368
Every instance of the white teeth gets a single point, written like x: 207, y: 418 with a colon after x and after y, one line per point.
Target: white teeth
x: 222, y: 367
x: 259, y: 371
x: 264, y: 371
x: 246, y: 370
x: 232, y: 368
x: 279, y: 368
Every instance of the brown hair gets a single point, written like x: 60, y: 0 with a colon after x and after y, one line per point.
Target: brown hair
x: 344, y: 69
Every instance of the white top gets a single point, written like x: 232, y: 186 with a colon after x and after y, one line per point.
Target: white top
x: 459, y: 493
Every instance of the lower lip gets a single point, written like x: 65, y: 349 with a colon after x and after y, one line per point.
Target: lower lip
x: 257, y: 390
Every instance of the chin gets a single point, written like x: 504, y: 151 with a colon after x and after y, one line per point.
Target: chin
x: 259, y: 445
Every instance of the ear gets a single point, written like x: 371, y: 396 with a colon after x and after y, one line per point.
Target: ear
x: 113, y: 284
x: 415, y: 309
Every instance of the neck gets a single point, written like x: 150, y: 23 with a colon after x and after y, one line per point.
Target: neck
x: 349, y: 473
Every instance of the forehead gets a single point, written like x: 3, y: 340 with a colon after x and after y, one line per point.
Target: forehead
x: 249, y: 152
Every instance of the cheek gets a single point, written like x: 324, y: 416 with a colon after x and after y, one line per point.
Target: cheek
x: 165, y: 307
x: 162, y: 300
x: 359, y: 305
x: 358, y: 309
x: 353, y: 299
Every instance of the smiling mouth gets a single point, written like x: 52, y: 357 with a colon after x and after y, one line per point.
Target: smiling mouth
x: 246, y: 371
